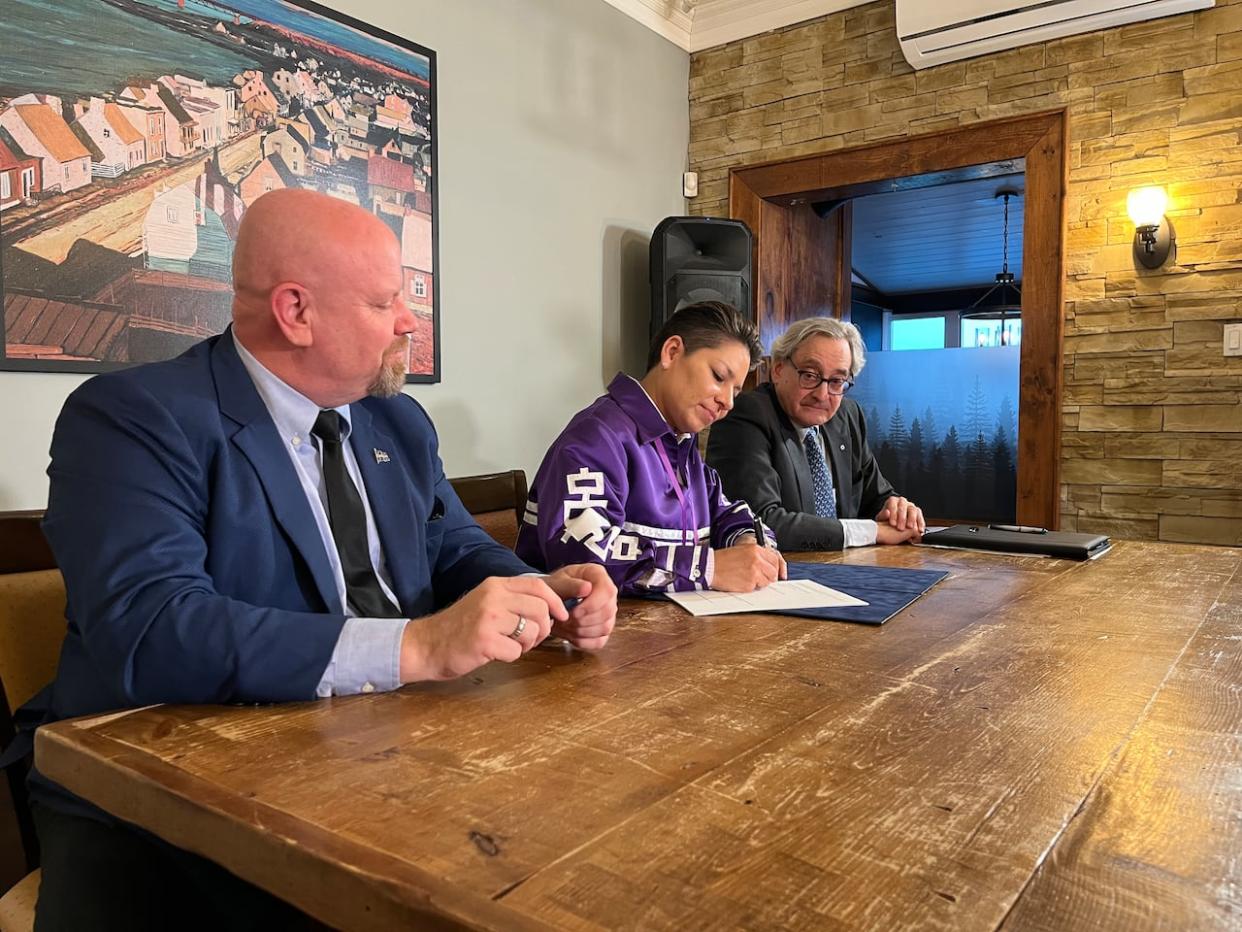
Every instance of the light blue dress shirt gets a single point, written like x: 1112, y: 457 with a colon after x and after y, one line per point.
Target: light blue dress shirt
x: 367, y: 657
x: 858, y: 532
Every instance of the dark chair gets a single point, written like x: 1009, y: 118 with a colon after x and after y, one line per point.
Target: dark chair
x: 23, y: 547
x: 497, y: 501
x: 32, y: 627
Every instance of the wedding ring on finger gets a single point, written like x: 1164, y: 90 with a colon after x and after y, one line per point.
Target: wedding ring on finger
x: 521, y: 626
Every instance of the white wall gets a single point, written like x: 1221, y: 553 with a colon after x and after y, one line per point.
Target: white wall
x: 563, y: 130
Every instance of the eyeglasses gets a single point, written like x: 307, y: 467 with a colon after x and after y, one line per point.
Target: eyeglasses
x: 811, y: 380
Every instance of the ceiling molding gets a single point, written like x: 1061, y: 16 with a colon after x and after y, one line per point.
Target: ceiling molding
x: 669, y: 18
x: 715, y: 22
x: 694, y: 25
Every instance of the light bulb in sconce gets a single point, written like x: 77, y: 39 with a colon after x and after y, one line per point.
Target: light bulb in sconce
x: 1153, y: 234
x: 1146, y: 206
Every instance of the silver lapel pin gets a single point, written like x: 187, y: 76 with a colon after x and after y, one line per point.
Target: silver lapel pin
x: 380, y: 455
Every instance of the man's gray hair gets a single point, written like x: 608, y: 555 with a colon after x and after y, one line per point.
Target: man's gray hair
x: 784, y: 345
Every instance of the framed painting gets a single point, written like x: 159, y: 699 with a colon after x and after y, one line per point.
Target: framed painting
x: 133, y: 135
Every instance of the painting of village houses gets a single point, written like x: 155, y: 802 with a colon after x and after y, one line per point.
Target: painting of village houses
x: 134, y: 134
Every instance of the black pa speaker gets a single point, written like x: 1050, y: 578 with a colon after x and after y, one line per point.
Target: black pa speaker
x: 697, y: 259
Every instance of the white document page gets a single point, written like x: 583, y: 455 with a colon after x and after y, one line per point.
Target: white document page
x: 784, y: 594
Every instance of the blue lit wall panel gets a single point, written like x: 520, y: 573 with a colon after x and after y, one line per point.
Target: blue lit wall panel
x: 944, y: 426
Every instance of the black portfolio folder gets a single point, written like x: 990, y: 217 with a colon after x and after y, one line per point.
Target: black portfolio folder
x: 1065, y: 544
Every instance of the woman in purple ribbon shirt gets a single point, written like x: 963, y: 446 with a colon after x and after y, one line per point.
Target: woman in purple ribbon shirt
x: 624, y: 484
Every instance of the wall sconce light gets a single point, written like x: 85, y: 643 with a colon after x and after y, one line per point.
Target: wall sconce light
x: 1153, y: 234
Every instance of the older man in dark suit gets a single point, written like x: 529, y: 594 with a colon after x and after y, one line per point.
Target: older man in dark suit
x: 796, y: 448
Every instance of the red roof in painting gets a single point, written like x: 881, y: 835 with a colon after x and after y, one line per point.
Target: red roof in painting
x: 390, y: 173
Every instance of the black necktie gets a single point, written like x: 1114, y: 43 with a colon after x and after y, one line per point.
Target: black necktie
x: 349, y: 524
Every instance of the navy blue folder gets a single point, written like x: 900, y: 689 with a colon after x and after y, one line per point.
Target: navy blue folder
x: 887, y: 589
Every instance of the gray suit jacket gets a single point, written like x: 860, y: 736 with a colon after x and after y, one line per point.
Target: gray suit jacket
x: 758, y: 452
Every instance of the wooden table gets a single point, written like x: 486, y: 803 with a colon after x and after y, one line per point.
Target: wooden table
x: 1035, y: 743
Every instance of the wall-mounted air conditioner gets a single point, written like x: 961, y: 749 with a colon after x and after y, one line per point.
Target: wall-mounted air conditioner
x: 936, y: 31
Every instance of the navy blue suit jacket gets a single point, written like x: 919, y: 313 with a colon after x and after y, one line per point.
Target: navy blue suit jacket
x: 194, y: 569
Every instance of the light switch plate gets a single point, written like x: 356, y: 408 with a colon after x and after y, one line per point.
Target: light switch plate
x: 1233, y: 339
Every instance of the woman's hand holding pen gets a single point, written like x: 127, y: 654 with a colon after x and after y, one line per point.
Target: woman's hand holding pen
x: 748, y: 565
x: 745, y: 567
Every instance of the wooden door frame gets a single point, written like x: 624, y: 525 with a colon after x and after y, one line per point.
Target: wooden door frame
x: 1039, y: 139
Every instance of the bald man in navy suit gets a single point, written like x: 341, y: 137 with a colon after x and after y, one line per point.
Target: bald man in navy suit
x: 264, y: 519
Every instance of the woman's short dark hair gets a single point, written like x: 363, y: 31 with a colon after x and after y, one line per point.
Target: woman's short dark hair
x: 706, y: 324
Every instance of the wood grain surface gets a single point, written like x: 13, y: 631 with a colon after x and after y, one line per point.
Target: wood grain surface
x: 1033, y: 744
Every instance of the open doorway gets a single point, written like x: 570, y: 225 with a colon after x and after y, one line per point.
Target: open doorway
x: 936, y: 292
x: 803, y: 215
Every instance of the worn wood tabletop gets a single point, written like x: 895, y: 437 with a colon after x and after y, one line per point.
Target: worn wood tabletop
x: 1034, y: 744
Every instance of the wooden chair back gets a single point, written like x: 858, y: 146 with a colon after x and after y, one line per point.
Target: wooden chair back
x: 32, y: 628
x: 497, y: 501
x: 23, y: 547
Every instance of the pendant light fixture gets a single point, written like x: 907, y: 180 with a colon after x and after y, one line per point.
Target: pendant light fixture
x: 1003, y: 301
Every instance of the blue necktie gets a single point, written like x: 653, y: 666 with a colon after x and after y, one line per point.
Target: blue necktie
x: 821, y: 478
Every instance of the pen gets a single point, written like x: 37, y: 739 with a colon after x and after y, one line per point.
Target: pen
x: 760, y: 538
x: 1019, y: 528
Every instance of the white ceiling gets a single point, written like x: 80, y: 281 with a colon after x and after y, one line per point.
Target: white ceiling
x: 938, y: 238
x: 700, y: 24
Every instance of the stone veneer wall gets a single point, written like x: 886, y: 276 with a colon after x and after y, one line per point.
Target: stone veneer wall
x: 1152, y: 410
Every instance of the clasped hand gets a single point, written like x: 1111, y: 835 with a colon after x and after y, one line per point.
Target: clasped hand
x: 480, y: 626
x: 900, y: 520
